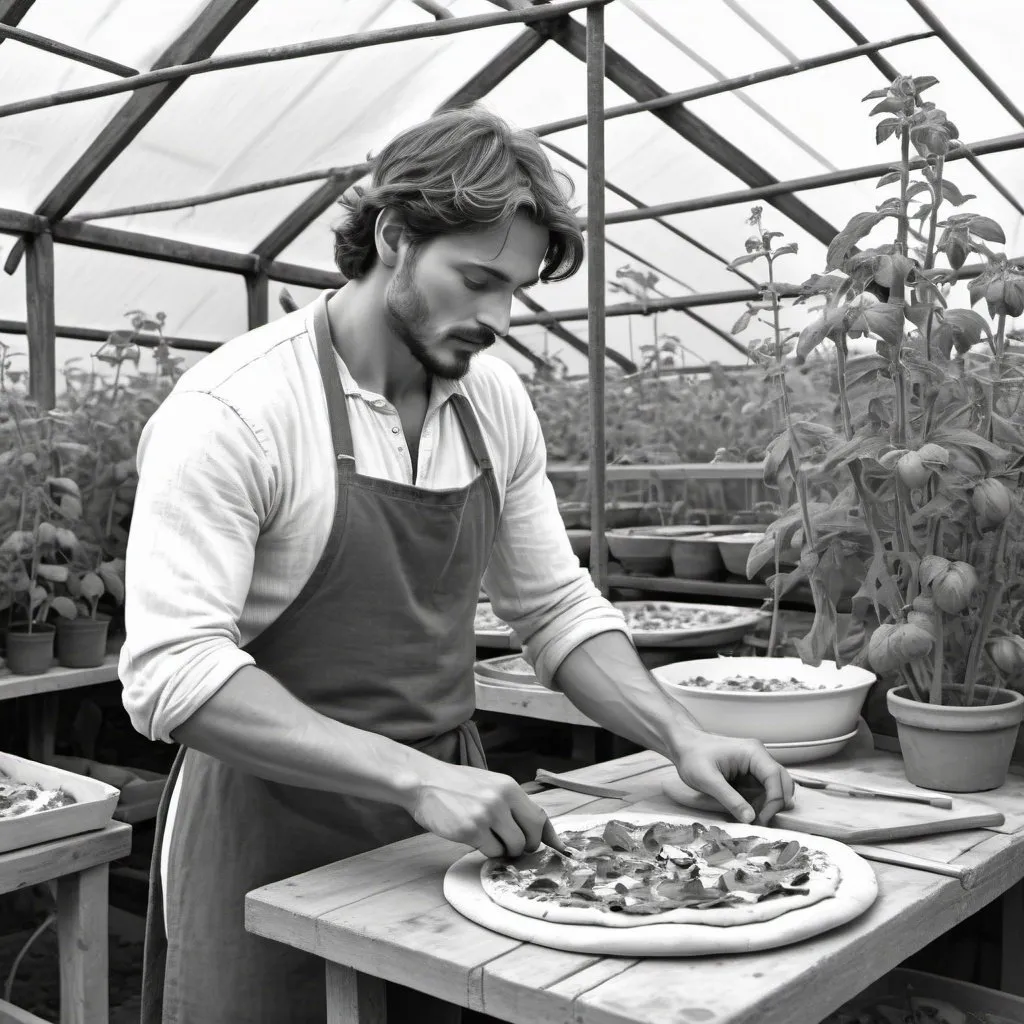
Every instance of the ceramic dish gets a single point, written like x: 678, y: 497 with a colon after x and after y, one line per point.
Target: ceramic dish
x: 510, y: 668
x: 93, y: 807
x: 789, y: 716
x: 802, y: 753
x: 492, y: 631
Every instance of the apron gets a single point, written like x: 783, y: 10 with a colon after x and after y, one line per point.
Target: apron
x: 381, y: 638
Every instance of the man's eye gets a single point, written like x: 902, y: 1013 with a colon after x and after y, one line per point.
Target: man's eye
x: 474, y: 286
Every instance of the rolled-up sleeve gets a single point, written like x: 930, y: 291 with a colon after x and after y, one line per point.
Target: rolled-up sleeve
x: 204, y: 490
x: 534, y: 580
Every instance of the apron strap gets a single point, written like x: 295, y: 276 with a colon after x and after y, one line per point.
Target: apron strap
x: 475, y: 438
x: 341, y: 429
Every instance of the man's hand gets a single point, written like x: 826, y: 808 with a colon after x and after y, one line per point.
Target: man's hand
x: 483, y: 809
x: 740, y: 774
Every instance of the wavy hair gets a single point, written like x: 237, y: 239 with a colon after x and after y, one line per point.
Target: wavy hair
x: 460, y: 170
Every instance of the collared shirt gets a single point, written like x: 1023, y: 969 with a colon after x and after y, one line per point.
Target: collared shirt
x: 236, y: 497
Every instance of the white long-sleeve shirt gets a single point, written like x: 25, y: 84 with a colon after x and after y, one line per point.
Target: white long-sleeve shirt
x: 236, y: 496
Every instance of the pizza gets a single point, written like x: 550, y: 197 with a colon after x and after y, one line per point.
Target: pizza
x: 18, y: 798
x: 753, y: 684
x: 671, y: 616
x: 623, y: 874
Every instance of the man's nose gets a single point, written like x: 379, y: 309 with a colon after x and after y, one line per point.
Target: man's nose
x: 496, y: 316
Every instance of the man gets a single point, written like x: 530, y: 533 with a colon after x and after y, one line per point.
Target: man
x: 318, y: 504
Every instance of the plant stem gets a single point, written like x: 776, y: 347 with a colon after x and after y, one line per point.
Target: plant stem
x: 997, y: 373
x: 993, y: 597
x: 839, y: 340
x: 776, y: 598
x: 938, y: 656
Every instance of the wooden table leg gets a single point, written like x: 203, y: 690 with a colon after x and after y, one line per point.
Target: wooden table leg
x: 84, y: 936
x: 42, y: 728
x: 1012, y: 969
x: 354, y: 997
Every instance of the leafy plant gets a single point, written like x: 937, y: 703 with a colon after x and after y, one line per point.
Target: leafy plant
x: 920, y: 511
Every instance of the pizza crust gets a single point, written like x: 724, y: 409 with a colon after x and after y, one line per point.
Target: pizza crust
x: 856, y: 892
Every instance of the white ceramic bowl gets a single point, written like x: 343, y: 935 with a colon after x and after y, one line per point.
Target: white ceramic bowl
x: 802, y: 753
x: 793, y: 716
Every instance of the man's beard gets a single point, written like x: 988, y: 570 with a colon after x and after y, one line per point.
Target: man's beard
x: 409, y: 316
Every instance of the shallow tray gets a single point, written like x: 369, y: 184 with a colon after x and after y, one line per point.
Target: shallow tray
x: 94, y: 808
x: 741, y: 622
x: 503, y: 670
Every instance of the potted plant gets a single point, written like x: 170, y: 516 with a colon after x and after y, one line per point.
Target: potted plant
x: 914, y: 495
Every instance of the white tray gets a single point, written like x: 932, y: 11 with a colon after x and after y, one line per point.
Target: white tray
x: 94, y: 807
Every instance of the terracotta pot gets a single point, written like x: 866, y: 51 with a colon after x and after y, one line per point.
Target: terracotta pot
x: 30, y: 654
x: 82, y: 643
x: 957, y: 749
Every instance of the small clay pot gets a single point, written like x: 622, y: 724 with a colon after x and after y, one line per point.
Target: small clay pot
x: 30, y: 654
x: 82, y: 642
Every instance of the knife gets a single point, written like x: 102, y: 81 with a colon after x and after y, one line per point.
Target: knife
x: 810, y: 782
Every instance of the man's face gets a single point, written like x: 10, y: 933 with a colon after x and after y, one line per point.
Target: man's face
x: 451, y: 296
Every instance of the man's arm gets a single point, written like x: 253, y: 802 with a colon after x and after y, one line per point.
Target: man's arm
x: 205, y: 489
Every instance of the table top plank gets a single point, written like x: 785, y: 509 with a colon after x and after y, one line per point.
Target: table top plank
x: 45, y: 861
x: 528, y: 700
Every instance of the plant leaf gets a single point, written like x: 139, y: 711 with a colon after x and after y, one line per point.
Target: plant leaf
x: 860, y: 224
x: 953, y: 195
x: 988, y: 229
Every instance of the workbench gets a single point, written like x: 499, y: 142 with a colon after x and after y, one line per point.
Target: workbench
x: 382, y: 917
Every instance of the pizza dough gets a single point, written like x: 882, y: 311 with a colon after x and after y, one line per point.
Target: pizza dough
x: 855, y: 892
x: 752, y: 868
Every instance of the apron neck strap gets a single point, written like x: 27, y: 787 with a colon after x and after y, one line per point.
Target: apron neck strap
x: 341, y: 429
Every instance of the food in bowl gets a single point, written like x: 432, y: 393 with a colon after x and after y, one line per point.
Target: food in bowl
x: 487, y: 622
x: 755, y: 684
x: 18, y: 798
x: 830, y: 707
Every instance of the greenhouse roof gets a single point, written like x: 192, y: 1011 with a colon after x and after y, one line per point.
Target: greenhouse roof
x: 78, y: 154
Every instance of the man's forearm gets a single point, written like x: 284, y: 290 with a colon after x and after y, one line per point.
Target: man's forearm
x: 606, y: 680
x: 255, y: 724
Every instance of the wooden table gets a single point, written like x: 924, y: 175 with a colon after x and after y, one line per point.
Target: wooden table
x: 80, y: 865
x: 382, y: 916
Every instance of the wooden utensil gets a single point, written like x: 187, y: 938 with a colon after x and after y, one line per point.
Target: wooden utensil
x: 586, y: 788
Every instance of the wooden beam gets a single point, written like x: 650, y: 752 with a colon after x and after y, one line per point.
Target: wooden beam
x: 300, y: 218
x: 170, y: 250
x: 552, y: 322
x: 91, y: 60
x: 631, y: 80
x: 42, y: 356
x: 539, y: 362
x: 490, y: 75
x: 257, y: 290
x: 209, y: 29
x: 336, y: 44
x: 12, y: 11
x: 307, y: 277
x: 496, y: 70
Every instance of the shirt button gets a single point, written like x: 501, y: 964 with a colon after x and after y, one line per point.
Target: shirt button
x: 395, y: 430
x: 378, y: 403
x: 400, y: 448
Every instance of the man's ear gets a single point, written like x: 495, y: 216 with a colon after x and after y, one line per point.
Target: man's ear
x: 387, y: 233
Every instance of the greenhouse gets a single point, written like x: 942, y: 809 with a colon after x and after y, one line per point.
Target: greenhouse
x: 662, y: 662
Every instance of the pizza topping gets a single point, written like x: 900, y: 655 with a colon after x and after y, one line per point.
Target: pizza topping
x: 636, y: 870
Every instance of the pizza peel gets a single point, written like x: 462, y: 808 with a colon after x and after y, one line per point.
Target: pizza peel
x: 855, y: 819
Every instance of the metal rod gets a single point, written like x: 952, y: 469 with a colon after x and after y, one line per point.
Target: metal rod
x: 100, y: 336
x: 926, y: 15
x: 732, y: 84
x: 335, y: 44
x: 63, y: 50
x: 216, y: 197
x: 623, y: 194
x: 890, y: 73
x: 999, y: 145
x: 595, y: 291
x: 652, y: 306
